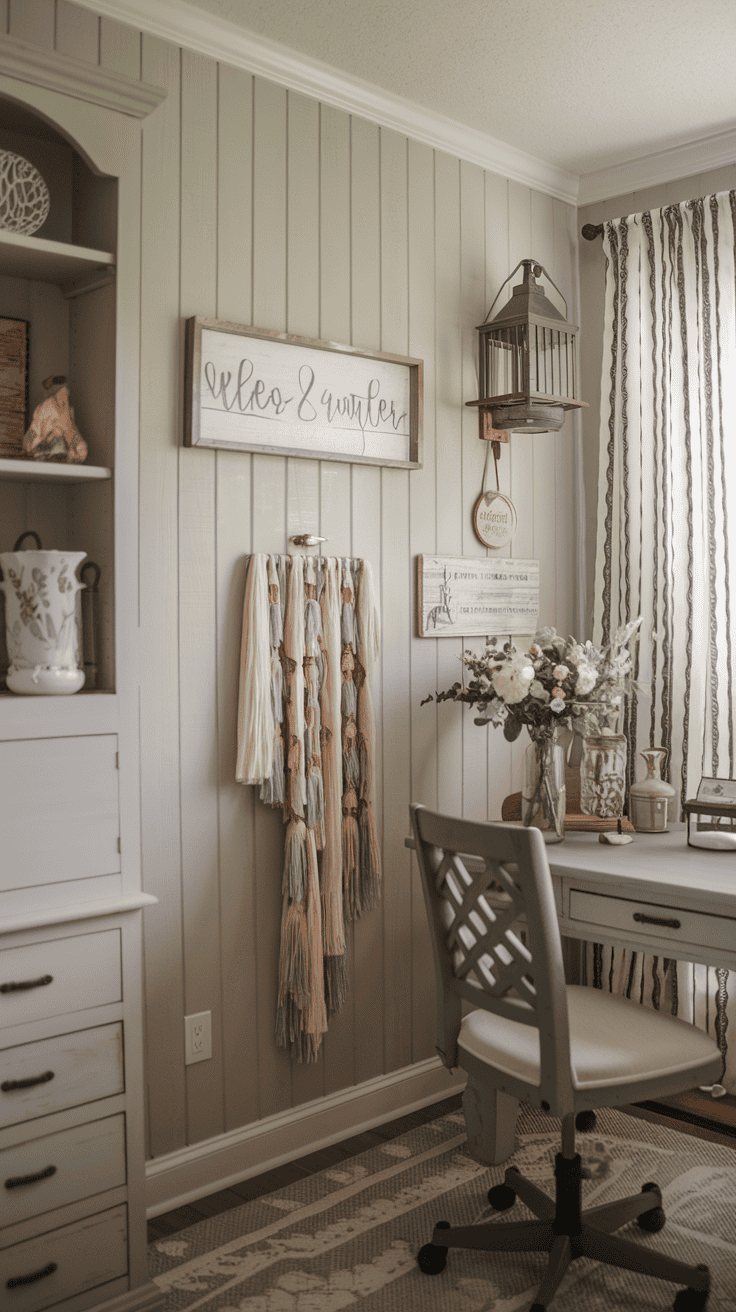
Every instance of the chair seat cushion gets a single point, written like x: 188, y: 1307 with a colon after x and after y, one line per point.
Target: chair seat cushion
x: 613, y: 1041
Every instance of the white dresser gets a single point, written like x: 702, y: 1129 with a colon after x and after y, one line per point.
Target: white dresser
x: 72, y: 1139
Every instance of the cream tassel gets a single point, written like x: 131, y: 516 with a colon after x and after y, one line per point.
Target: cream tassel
x: 255, y: 710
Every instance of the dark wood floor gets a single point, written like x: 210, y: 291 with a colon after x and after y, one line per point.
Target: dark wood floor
x: 692, y: 1121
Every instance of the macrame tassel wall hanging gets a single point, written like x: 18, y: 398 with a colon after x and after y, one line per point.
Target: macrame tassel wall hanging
x: 306, y: 735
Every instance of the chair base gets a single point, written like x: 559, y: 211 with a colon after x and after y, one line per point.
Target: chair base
x: 567, y: 1232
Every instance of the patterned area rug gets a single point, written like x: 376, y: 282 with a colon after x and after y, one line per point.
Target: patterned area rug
x: 348, y: 1237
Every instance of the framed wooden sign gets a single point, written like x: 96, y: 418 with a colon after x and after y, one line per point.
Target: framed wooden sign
x: 13, y: 385
x: 248, y: 389
x: 465, y: 595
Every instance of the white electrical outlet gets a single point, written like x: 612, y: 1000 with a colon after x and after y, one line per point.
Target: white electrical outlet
x: 197, y: 1037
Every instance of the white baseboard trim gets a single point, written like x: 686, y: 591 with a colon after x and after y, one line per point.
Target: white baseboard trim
x: 147, y: 1298
x: 204, y: 1168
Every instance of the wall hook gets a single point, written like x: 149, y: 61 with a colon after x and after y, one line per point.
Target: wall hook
x: 306, y: 540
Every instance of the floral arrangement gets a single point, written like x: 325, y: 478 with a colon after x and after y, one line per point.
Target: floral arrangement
x: 557, y: 683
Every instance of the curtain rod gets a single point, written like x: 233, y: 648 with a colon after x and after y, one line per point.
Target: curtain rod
x: 592, y: 230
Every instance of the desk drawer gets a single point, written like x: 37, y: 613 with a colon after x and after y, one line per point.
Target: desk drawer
x: 61, y: 1168
x: 58, y: 976
x: 66, y: 1071
x: 64, y: 1262
x: 653, y: 921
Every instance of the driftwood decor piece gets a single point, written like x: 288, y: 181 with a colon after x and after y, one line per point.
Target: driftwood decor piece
x: 13, y: 385
x: 458, y: 596
x: 248, y: 389
x: 53, y: 434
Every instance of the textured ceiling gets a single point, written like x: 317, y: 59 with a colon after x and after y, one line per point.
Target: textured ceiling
x: 581, y: 85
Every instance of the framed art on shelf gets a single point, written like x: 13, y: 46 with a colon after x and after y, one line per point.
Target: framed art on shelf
x: 249, y: 389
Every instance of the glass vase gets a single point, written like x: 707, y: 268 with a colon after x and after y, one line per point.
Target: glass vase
x: 603, y: 775
x: 543, y: 790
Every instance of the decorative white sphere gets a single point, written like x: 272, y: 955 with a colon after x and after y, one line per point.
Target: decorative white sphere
x: 24, y: 196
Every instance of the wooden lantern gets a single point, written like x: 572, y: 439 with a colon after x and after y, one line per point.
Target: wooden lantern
x: 528, y: 361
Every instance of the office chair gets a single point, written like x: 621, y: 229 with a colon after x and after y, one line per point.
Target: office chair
x: 532, y: 1038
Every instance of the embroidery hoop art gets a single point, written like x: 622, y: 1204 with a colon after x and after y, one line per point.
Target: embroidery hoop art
x: 494, y: 514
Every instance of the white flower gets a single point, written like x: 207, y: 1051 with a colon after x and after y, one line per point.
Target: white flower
x: 511, y: 681
x: 576, y: 654
x: 538, y: 691
x: 557, y: 705
x: 587, y: 678
x: 560, y: 672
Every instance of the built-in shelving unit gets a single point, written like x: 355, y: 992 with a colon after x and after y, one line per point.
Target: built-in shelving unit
x: 50, y: 261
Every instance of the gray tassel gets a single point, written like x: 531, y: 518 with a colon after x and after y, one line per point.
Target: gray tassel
x: 272, y: 789
x: 315, y: 802
x: 350, y: 768
x: 275, y: 627
x: 336, y: 984
x: 312, y: 622
x: 277, y: 685
x: 296, y: 875
x: 348, y: 700
x: 369, y: 892
x: 348, y: 625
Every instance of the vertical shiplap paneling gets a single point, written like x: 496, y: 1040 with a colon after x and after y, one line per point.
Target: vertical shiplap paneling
x: 497, y: 270
x: 567, y: 586
x: 32, y: 21
x: 339, y: 1044
x: 521, y: 445
x: 197, y: 612
x: 366, y: 939
x: 77, y: 32
x: 233, y: 472
x: 4, y: 6
x: 159, y: 614
x: 396, y: 587
x: 422, y: 535
x: 472, y: 302
x: 545, y: 444
x: 269, y: 534
x: 120, y: 47
x: 450, y: 509
x: 302, y: 305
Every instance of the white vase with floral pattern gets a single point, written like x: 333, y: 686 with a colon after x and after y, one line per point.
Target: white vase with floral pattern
x: 40, y: 621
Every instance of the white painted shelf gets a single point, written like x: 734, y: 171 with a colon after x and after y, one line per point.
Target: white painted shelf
x: 58, y: 717
x: 51, y: 471
x: 50, y: 261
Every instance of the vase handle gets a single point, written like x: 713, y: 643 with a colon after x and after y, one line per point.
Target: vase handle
x: 29, y: 533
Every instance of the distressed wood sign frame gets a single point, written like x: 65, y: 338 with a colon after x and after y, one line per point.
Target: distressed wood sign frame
x: 459, y: 596
x: 324, y: 400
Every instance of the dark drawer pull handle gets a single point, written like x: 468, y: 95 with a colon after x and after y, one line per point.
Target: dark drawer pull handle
x: 15, y: 1281
x: 15, y: 1180
x: 26, y: 984
x: 8, y: 1086
x: 656, y: 920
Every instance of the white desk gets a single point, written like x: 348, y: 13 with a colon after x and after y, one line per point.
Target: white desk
x: 620, y: 895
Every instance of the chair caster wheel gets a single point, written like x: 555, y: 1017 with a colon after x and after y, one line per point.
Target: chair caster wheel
x: 501, y: 1197
x: 431, y: 1259
x: 690, y: 1300
x: 654, y: 1220
x: 585, y: 1122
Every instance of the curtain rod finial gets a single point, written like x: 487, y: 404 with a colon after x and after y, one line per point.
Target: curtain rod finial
x: 592, y: 230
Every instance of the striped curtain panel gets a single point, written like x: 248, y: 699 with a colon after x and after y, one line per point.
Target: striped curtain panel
x: 667, y: 478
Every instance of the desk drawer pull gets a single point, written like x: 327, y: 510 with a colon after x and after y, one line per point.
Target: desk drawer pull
x: 656, y: 920
x: 12, y: 987
x: 15, y: 1180
x: 15, y: 1281
x: 9, y: 1086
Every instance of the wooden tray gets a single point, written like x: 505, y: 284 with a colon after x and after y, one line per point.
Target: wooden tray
x: 574, y: 820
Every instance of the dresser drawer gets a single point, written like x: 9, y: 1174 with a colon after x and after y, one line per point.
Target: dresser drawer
x: 59, y: 809
x: 66, y: 1071
x: 54, y: 1266
x: 653, y: 921
x: 59, y: 976
x: 61, y: 1168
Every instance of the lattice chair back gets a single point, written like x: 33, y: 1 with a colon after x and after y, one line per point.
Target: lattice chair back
x: 480, y: 954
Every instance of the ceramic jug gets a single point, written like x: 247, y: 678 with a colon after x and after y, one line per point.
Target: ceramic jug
x: 40, y: 619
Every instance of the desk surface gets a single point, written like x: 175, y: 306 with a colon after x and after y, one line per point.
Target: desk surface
x: 653, y: 864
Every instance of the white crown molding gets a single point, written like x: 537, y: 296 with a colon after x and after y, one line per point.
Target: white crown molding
x: 73, y: 77
x: 663, y: 166
x: 185, y: 25
x: 214, y: 1164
